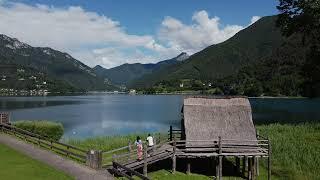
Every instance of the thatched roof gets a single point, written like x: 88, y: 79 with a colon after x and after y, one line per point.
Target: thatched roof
x: 209, y: 118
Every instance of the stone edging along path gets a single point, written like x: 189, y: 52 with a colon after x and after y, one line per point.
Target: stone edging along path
x: 70, y: 167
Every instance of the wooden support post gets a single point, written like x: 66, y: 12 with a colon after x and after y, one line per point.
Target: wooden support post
x: 188, y: 167
x: 269, y: 159
x: 174, y: 157
x: 238, y: 165
x: 254, y: 162
x: 217, y: 166
x: 245, y: 166
x: 220, y: 158
x: 257, y: 166
x: 145, y: 160
x: 249, y: 169
x: 170, y: 136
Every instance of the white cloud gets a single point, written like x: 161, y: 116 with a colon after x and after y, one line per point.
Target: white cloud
x: 255, y: 19
x: 98, y: 39
x: 204, y: 32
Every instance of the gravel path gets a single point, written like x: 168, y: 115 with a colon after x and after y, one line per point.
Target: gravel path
x: 72, y: 168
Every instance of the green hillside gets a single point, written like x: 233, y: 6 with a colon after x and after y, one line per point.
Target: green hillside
x: 218, y: 61
x: 125, y: 74
x: 55, y: 64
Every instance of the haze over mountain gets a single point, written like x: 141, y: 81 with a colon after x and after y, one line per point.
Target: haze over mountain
x: 54, y: 64
x: 126, y: 73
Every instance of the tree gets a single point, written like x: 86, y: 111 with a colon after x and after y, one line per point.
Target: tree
x: 303, y: 17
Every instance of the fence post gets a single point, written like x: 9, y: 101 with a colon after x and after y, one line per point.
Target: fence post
x: 94, y: 159
x: 174, y: 156
x: 67, y: 151
x: 220, y: 158
x: 159, y: 138
x: 145, y: 160
x: 170, y: 137
x: 269, y: 159
x: 129, y: 149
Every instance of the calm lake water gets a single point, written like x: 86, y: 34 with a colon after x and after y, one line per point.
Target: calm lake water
x: 97, y: 115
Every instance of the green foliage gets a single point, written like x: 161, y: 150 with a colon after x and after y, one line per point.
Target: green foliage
x: 302, y: 17
x: 44, y: 128
x: 15, y: 165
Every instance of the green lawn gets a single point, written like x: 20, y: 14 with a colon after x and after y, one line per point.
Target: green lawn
x: 16, y: 166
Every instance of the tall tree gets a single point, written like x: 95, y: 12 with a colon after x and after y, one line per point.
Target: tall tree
x: 303, y: 17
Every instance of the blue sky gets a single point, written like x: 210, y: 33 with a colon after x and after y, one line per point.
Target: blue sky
x: 129, y: 31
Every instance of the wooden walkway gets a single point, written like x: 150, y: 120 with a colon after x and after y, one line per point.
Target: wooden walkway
x: 249, y: 152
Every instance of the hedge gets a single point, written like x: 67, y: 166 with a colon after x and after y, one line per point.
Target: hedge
x: 49, y: 129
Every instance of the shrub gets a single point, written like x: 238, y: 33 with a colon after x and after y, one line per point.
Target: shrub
x: 49, y: 129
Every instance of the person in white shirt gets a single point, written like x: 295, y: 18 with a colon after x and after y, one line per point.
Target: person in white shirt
x: 150, y: 143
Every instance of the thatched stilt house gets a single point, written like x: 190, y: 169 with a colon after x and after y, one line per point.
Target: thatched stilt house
x: 209, y: 118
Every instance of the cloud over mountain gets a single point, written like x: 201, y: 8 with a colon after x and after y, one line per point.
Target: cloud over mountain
x: 97, y: 39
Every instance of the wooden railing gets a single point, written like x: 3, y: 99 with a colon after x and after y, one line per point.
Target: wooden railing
x: 45, y: 142
x: 174, y: 134
x: 126, y: 152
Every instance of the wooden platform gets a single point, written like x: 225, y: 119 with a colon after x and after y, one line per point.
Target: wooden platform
x: 214, y: 149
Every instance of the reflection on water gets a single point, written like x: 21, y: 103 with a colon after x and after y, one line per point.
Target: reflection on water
x: 96, y: 115
x: 87, y: 116
x: 284, y: 110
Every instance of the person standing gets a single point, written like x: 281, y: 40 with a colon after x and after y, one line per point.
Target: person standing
x: 138, y: 143
x: 150, y: 143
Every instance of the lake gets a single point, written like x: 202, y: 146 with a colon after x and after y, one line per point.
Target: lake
x: 101, y: 115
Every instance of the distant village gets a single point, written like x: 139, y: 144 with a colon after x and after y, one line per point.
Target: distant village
x: 19, y: 82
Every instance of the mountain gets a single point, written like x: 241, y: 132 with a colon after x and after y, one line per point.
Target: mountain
x: 126, y: 73
x: 225, y: 59
x: 54, y: 64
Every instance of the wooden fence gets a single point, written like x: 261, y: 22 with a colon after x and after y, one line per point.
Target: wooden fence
x: 4, y: 117
x: 47, y: 143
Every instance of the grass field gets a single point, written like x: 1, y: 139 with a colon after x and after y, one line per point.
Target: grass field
x: 16, y: 166
x: 295, y: 152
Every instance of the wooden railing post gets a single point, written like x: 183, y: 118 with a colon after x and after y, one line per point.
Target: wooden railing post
x: 94, y: 159
x: 170, y: 131
x: 269, y: 159
x: 174, y: 156
x: 220, y: 158
x: 145, y: 160
x: 129, y: 149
